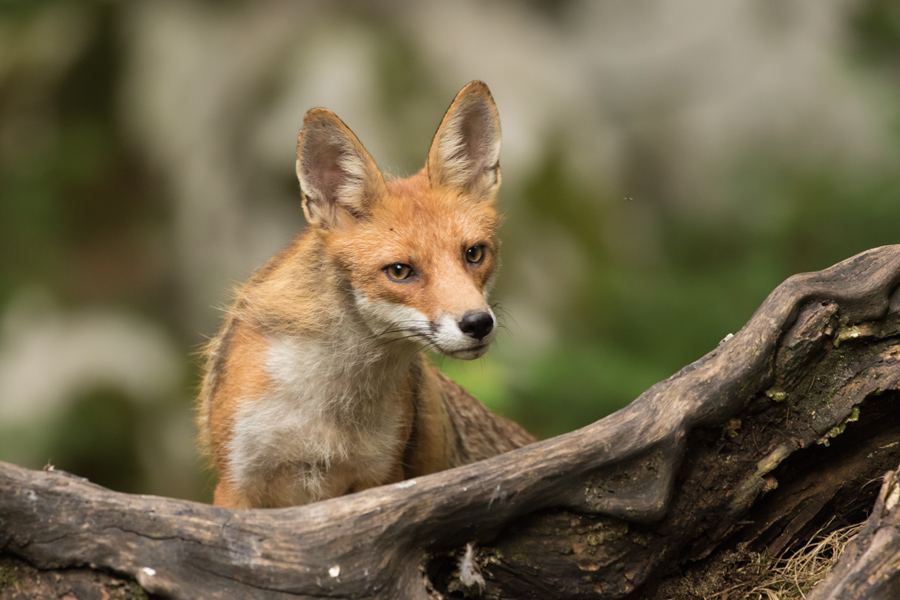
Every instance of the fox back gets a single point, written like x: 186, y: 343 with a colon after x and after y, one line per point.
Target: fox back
x: 317, y: 384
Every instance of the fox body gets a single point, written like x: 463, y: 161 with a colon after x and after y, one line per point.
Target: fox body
x: 317, y: 384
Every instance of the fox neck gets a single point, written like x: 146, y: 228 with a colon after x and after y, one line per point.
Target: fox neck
x: 340, y: 374
x: 339, y: 367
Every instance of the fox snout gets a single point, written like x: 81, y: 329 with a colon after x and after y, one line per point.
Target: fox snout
x: 476, y: 324
x: 477, y: 327
x: 465, y: 337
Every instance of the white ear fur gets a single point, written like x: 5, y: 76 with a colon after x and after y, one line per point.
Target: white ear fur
x: 338, y: 178
x: 465, y: 152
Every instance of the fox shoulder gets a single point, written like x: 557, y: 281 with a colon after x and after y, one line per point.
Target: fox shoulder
x: 475, y: 432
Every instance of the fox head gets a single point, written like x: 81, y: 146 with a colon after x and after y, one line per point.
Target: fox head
x: 419, y: 253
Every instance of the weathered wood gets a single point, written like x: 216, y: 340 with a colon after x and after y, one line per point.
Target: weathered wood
x: 20, y: 581
x: 869, y: 568
x: 700, y: 460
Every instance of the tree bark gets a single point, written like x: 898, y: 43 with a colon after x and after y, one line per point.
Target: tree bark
x: 776, y: 432
x: 869, y: 568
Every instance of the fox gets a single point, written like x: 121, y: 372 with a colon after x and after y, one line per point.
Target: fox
x: 318, y: 383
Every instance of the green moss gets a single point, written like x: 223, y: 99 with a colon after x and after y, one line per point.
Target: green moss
x: 731, y: 428
x: 757, y: 483
x: 846, y: 333
x: 837, y: 430
x: 9, y: 576
x: 776, y: 395
x: 131, y: 591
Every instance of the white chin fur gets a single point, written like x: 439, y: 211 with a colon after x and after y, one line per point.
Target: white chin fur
x: 471, y: 354
x: 392, y: 320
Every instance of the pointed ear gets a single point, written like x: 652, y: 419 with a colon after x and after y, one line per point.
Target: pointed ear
x: 338, y: 179
x: 465, y: 152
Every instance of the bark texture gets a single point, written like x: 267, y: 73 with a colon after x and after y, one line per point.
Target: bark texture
x: 870, y: 566
x: 781, y: 429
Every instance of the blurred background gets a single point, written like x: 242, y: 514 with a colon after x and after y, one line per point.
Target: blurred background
x: 665, y: 166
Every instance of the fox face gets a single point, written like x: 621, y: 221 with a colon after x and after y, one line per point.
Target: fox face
x: 420, y: 269
x: 419, y: 253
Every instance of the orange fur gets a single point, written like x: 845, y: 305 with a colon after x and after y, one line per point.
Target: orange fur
x: 317, y: 384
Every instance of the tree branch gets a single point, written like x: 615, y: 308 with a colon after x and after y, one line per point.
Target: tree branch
x: 867, y: 570
x: 602, y: 512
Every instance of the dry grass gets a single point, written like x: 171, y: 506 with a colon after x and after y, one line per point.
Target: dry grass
x: 791, y: 578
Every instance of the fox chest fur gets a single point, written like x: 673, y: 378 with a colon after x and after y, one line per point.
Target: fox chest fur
x: 334, y: 418
x: 317, y: 384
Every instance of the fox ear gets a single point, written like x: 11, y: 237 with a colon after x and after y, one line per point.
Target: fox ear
x: 465, y: 152
x: 338, y: 179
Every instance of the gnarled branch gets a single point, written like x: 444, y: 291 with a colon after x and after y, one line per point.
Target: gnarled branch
x: 734, y: 449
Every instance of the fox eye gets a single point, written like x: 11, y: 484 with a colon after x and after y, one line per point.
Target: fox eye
x: 475, y: 254
x: 399, y: 271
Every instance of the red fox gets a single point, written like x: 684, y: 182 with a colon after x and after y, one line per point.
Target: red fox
x: 317, y: 384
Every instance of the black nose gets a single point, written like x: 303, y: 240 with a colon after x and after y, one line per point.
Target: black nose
x: 476, y: 324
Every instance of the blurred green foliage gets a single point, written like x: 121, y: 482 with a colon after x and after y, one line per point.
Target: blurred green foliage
x: 110, y: 458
